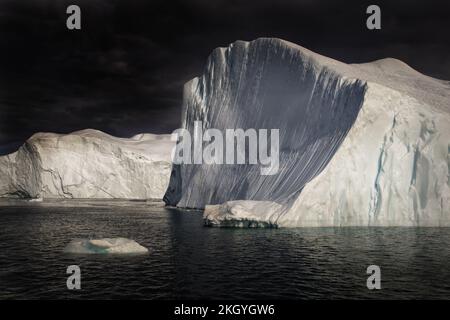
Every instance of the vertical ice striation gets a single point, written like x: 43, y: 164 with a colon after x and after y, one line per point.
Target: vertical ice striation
x: 360, y: 144
x: 265, y: 84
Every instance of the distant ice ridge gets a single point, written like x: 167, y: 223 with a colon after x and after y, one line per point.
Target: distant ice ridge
x: 365, y: 144
x: 88, y: 164
x: 105, y: 246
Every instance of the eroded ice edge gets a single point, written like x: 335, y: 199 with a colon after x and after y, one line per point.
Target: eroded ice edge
x: 105, y: 246
x: 363, y: 144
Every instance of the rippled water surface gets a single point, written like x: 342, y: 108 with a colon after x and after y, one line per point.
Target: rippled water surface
x: 187, y: 260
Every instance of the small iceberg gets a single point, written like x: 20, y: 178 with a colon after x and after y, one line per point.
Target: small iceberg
x: 105, y: 246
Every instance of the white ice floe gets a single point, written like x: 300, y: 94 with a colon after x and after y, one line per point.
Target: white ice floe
x: 105, y: 246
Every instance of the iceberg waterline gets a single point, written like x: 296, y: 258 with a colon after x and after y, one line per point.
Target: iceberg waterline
x: 360, y: 144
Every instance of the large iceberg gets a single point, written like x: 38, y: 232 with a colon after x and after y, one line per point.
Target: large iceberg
x: 360, y: 144
x: 88, y: 164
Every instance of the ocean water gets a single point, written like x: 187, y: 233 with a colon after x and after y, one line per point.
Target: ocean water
x: 190, y: 261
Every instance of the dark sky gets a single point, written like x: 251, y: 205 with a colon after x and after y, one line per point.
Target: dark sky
x: 123, y: 72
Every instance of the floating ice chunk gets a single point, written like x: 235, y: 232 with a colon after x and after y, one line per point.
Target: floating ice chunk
x: 243, y: 214
x: 105, y: 246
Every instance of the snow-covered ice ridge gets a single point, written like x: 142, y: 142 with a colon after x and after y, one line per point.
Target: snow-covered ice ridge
x: 360, y: 144
x: 88, y: 164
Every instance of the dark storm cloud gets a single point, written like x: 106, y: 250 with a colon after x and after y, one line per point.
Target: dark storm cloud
x: 123, y: 72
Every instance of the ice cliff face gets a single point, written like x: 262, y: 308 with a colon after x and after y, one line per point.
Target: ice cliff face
x: 391, y: 170
x: 88, y: 164
x: 363, y: 144
x: 265, y: 84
